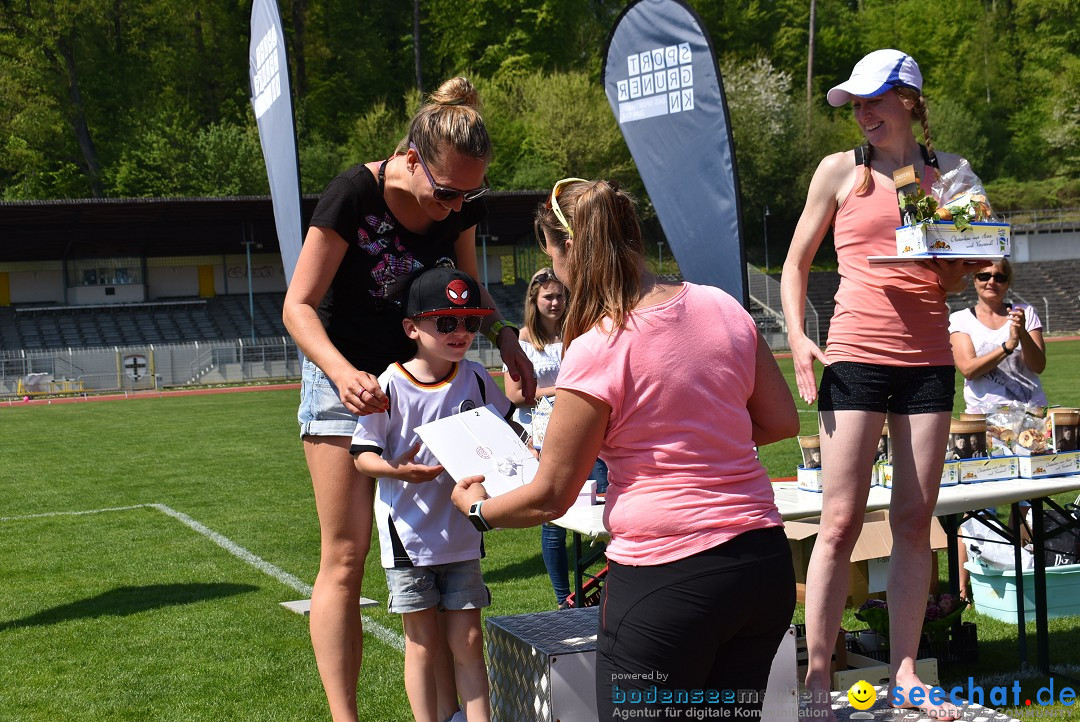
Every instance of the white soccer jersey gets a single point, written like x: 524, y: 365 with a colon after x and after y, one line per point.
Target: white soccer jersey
x: 418, y: 525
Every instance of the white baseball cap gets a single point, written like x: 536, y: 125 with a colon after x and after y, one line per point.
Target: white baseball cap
x: 876, y: 73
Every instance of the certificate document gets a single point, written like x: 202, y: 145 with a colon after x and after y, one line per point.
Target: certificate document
x: 480, y: 442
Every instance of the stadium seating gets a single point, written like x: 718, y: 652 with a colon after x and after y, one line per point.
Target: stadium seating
x: 510, y: 300
x: 35, y: 326
x: 1056, y: 283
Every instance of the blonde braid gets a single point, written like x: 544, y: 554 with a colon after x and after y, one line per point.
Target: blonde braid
x: 867, y: 174
x: 920, y: 111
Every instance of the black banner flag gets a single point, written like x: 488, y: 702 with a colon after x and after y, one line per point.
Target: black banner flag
x: 664, y: 86
x: 272, y: 103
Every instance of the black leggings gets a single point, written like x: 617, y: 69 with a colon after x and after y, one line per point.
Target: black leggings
x: 697, y: 633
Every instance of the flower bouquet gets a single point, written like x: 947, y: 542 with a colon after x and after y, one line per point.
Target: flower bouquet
x: 942, y: 611
x: 875, y: 614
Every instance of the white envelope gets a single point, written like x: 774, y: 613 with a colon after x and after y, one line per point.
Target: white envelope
x: 479, y: 441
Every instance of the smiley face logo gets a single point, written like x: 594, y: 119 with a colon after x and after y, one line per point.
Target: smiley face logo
x: 862, y: 695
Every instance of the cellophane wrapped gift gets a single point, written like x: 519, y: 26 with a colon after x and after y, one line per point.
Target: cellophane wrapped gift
x: 1016, y: 429
x: 961, y: 197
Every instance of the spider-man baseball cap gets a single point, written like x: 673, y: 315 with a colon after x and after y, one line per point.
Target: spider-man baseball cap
x: 444, y: 291
x: 876, y: 73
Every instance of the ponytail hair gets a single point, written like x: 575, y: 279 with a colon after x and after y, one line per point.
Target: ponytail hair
x: 450, y: 119
x: 914, y: 101
x: 606, y: 257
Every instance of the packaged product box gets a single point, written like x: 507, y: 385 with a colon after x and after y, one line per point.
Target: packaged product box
x: 1041, y: 466
x: 809, y: 479
x: 975, y: 471
x: 942, y: 238
x: 948, y: 475
x: 812, y: 479
x: 869, y: 558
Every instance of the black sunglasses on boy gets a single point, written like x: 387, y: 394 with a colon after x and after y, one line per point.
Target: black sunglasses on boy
x: 448, y: 324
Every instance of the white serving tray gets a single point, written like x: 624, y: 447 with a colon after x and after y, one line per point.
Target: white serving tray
x: 908, y: 260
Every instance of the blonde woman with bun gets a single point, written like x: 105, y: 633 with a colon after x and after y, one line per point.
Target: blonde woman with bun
x: 375, y: 225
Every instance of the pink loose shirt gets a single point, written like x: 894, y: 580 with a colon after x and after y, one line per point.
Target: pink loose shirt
x: 682, y: 470
x: 889, y: 315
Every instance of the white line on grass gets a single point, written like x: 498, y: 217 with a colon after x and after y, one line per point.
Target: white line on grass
x: 72, y: 513
x: 236, y: 550
x: 383, y: 634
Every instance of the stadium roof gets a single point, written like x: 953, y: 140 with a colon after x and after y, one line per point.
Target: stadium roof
x: 104, y: 227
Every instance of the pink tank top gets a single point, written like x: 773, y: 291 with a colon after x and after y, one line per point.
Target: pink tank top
x: 888, y: 315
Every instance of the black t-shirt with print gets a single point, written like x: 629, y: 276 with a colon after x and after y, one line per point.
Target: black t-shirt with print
x: 360, y: 312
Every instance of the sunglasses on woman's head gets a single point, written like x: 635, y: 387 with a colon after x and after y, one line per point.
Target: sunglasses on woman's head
x: 448, y: 324
x: 445, y: 193
x: 986, y: 276
x: 553, y: 203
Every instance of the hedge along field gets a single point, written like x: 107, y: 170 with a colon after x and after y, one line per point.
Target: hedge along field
x: 145, y: 546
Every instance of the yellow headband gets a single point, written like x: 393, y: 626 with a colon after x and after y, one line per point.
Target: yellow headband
x: 554, y: 202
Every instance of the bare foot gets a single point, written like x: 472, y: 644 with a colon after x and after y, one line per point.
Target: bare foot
x: 817, y: 705
x: 944, y: 711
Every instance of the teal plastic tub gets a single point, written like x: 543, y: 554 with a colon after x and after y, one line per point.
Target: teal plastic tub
x: 995, y: 591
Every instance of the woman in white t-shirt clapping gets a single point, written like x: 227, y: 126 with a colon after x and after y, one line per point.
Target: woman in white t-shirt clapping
x: 985, y: 341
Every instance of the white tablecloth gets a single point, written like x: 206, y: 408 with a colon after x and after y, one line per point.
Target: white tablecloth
x: 794, y: 503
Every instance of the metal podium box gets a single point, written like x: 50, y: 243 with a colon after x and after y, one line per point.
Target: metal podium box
x: 543, y: 666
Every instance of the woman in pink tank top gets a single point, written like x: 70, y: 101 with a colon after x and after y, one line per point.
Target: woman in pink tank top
x: 887, y: 357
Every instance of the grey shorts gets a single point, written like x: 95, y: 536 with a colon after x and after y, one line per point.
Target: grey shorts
x: 321, y: 411
x: 450, y: 587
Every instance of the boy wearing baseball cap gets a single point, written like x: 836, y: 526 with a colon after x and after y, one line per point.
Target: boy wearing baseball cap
x: 430, y: 551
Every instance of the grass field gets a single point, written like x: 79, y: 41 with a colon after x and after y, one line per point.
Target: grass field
x: 145, y: 546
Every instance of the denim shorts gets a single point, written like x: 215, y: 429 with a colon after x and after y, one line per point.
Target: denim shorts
x: 321, y: 411
x: 450, y: 587
x: 851, y: 386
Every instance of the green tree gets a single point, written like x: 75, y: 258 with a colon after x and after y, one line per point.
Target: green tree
x: 490, y: 37
x: 537, y: 141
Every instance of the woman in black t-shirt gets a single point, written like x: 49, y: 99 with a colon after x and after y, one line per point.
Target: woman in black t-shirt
x: 375, y: 225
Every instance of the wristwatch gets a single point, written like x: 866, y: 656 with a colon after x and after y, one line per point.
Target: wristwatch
x: 1008, y: 351
x: 477, y: 518
x: 493, y: 332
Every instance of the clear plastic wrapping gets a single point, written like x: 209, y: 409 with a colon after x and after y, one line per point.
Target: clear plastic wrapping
x: 961, y: 197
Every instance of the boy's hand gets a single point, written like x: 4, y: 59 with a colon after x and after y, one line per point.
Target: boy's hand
x: 405, y: 469
x: 466, y: 491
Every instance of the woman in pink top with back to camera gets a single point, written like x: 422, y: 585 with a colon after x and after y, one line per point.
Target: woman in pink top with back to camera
x: 888, y: 356
x: 672, y: 385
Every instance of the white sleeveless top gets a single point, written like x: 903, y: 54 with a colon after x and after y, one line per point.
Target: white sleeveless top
x: 546, y: 365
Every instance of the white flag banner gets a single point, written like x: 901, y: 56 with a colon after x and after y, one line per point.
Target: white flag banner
x: 272, y: 102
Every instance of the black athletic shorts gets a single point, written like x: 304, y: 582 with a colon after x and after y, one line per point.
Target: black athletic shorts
x: 851, y: 386
x: 695, y: 638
